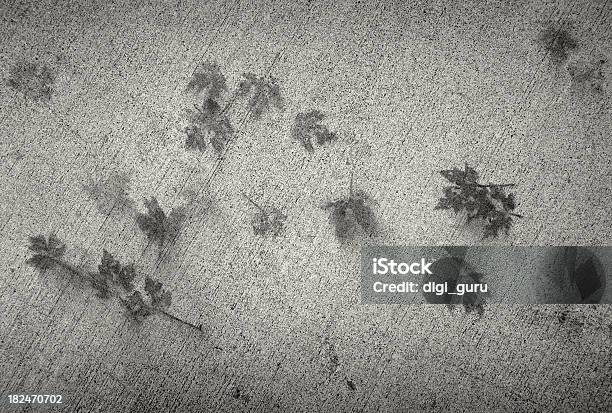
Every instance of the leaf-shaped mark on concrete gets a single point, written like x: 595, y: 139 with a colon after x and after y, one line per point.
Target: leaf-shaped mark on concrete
x: 158, y: 226
x: 209, y: 124
x: 267, y: 220
x: 33, y: 79
x: 208, y: 79
x: 557, y: 41
x: 307, y: 128
x: 347, y: 215
x: 160, y: 298
x: 136, y: 307
x: 112, y: 270
x: 489, y: 203
x: 47, y: 252
x: 264, y: 93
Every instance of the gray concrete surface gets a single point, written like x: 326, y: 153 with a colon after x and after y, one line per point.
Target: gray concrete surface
x: 411, y: 88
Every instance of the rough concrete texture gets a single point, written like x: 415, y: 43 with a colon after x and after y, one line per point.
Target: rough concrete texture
x: 520, y: 90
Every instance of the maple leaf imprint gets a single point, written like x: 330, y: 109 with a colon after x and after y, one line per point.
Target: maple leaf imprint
x: 264, y: 93
x: 158, y: 226
x: 209, y: 124
x: 209, y: 80
x: 46, y: 251
x: 110, y: 271
x: 489, y: 203
x: 348, y: 215
x: 307, y: 128
x: 136, y: 306
x: 160, y: 298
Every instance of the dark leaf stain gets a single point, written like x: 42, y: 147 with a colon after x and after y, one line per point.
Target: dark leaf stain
x: 263, y: 92
x: 208, y: 80
x: 348, y: 215
x: 46, y: 252
x: 307, y: 128
x: 558, y: 42
x: 209, y: 124
x: 111, y: 194
x: 113, y: 279
x: 33, y: 79
x: 488, y: 203
x: 158, y: 226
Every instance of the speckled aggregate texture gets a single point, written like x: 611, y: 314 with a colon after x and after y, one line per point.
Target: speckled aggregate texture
x: 410, y: 88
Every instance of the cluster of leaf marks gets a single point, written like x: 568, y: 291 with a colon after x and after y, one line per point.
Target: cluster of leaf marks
x: 264, y: 93
x: 267, y: 220
x: 158, y: 226
x: 489, y: 203
x: 209, y: 124
x: 33, y: 79
x: 307, y: 128
x: 589, y: 74
x: 557, y: 41
x: 113, y: 280
x: 350, y: 214
x: 111, y: 194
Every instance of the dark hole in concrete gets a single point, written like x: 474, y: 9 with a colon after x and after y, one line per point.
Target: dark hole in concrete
x: 587, y: 279
x: 444, y: 270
